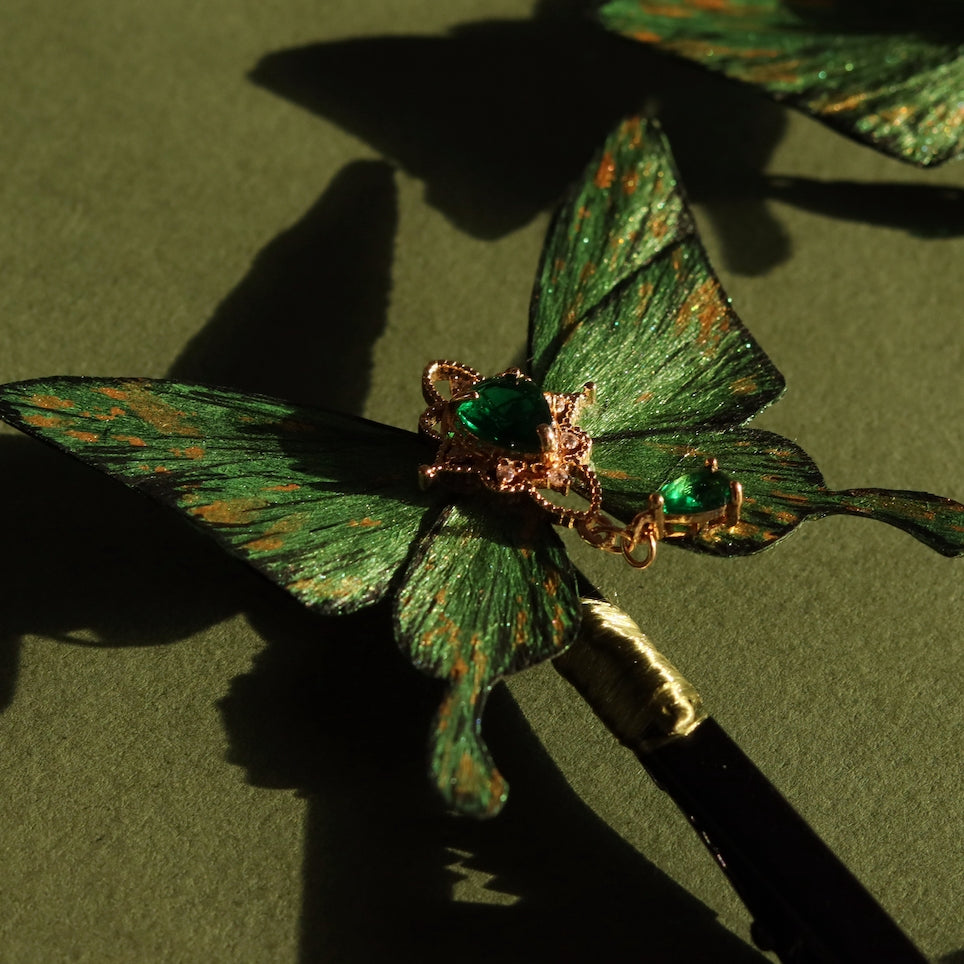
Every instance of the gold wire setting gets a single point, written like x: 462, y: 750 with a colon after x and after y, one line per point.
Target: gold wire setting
x: 562, y: 465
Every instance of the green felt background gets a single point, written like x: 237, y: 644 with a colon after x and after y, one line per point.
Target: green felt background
x: 314, y: 199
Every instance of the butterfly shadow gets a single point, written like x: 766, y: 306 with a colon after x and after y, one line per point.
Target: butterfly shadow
x: 330, y: 707
x: 498, y: 117
x: 922, y: 210
x: 300, y: 324
x: 333, y: 710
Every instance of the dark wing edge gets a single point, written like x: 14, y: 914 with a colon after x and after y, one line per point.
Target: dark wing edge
x: 323, y: 504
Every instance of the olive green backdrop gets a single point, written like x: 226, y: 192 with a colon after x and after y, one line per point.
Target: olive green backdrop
x: 314, y: 200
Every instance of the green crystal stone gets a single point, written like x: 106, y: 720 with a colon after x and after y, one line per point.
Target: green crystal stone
x: 507, y: 413
x: 701, y: 491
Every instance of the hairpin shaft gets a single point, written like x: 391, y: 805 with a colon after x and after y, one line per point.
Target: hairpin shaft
x: 806, y: 906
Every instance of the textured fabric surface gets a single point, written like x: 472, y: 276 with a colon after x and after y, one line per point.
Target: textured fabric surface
x: 314, y: 200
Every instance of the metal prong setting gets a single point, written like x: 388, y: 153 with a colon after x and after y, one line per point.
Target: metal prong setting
x: 562, y: 463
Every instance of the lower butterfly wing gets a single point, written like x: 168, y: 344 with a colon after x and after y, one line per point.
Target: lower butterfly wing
x: 782, y: 487
x: 489, y: 592
x: 325, y: 505
x: 891, y: 76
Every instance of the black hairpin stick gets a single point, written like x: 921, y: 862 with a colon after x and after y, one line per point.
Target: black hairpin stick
x: 806, y: 906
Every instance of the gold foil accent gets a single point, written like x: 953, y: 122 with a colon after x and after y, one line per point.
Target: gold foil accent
x: 633, y: 689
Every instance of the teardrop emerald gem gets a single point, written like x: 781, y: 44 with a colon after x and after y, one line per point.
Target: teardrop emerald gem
x: 507, y: 413
x: 701, y: 491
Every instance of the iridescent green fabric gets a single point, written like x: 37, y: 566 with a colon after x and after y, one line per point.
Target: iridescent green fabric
x: 888, y: 74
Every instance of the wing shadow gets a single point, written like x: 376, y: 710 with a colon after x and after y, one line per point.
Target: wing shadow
x: 497, y: 118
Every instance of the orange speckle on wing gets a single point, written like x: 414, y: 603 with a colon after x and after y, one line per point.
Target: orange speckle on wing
x: 558, y: 625
x: 706, y: 305
x: 582, y: 215
x: 844, y: 104
x: 131, y: 440
x: 82, y: 436
x: 779, y: 72
x: 605, y: 172
x: 667, y: 10
x: 264, y: 544
x: 551, y: 582
x: 743, y: 386
x: 658, y: 226
x: 613, y: 473
x: 750, y: 531
x: 629, y: 182
x: 273, y: 537
x: 106, y: 416
x: 43, y: 421
x: 290, y: 487
x: 228, y: 511
x: 643, y: 397
x: 50, y: 402
x: 366, y: 523
x: 558, y: 266
x: 443, y: 634
x: 521, y: 621
x: 155, y: 411
x: 115, y: 393
x: 787, y: 518
x: 191, y: 452
x: 646, y: 37
x: 720, y: 6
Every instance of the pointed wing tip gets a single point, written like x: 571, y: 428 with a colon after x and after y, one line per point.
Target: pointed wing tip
x: 934, y: 520
x: 468, y: 801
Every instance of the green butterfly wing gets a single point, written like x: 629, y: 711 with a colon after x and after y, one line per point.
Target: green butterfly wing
x: 782, y: 487
x: 890, y: 75
x: 626, y: 298
x: 489, y: 592
x: 326, y: 505
x: 625, y: 211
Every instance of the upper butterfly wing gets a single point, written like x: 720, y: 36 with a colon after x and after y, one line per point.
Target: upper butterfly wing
x: 891, y: 75
x: 626, y: 298
x: 326, y: 505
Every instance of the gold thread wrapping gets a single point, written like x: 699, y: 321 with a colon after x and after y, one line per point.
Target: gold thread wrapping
x: 633, y: 689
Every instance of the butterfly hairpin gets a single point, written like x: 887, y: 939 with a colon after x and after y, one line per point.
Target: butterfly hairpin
x: 884, y: 73
x: 641, y: 381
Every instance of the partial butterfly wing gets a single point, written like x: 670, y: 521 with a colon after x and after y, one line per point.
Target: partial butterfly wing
x: 888, y: 74
x: 626, y: 298
x: 781, y: 488
x: 325, y: 505
x: 489, y: 592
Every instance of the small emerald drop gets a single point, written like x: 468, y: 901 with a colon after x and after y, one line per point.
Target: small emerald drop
x: 701, y: 491
x: 507, y: 412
